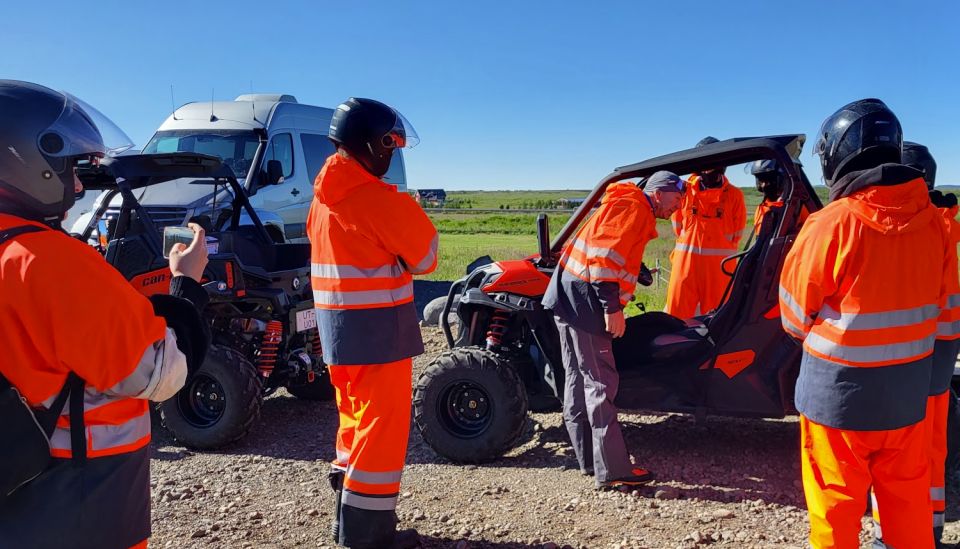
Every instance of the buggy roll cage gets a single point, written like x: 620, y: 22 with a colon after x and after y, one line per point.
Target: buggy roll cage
x: 785, y: 149
x: 123, y: 174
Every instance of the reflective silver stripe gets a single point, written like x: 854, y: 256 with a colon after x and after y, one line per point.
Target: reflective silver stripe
x: 938, y: 520
x: 948, y: 329
x: 322, y: 270
x: 343, y: 457
x: 597, y: 251
x: 870, y: 353
x: 354, y: 499
x: 603, y: 274
x: 626, y: 297
x: 787, y: 299
x: 373, y: 477
x: 938, y: 494
x: 363, y: 297
x: 593, y: 273
x: 429, y: 259
x: 953, y: 301
x: 876, y: 321
x: 703, y: 251
x: 789, y: 326
x: 105, y: 437
x: 629, y: 278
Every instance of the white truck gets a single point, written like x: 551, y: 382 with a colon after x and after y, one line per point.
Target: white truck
x: 275, y: 146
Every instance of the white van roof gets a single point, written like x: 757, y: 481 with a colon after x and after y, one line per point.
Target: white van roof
x: 249, y: 111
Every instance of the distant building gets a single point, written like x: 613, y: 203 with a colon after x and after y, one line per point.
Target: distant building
x: 431, y: 198
x: 571, y: 202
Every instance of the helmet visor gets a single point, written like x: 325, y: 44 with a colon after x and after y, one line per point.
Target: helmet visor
x: 82, y: 130
x: 402, y: 135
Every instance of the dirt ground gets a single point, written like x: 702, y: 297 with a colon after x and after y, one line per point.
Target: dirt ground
x: 724, y: 482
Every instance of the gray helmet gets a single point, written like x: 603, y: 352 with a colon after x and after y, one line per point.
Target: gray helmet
x: 43, y: 135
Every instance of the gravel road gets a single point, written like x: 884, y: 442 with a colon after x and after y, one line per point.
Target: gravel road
x: 724, y: 482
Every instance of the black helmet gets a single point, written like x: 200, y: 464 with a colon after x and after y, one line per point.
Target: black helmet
x: 769, y: 178
x: 43, y: 135
x: 917, y: 156
x: 370, y: 131
x: 710, y: 179
x: 708, y: 140
x: 859, y: 136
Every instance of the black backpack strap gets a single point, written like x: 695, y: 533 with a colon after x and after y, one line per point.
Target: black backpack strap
x: 78, y: 435
x: 7, y: 234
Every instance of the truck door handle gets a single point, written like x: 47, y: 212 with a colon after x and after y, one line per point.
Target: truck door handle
x: 294, y: 192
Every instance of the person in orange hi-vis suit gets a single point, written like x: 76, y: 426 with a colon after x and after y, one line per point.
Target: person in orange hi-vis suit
x: 73, y: 326
x: 367, y: 240
x: 709, y: 226
x: 944, y: 350
x: 596, y: 278
x: 769, y: 177
x: 867, y: 350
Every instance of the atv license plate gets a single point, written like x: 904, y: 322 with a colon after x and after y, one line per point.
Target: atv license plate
x: 306, y: 320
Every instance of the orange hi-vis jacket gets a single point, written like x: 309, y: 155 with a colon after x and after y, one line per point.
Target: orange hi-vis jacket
x: 862, y: 287
x: 64, y: 309
x: 948, y: 324
x: 367, y: 240
x: 710, y: 222
x: 709, y: 226
x: 598, y: 268
x: 766, y: 207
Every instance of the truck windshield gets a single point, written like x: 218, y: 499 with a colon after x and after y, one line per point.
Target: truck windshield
x: 235, y: 148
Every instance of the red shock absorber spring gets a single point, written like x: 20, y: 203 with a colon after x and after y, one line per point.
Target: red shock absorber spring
x: 315, y: 348
x: 269, y: 348
x: 497, y: 329
x: 316, y: 353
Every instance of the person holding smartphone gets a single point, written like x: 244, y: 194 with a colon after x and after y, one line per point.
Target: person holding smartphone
x: 71, y: 324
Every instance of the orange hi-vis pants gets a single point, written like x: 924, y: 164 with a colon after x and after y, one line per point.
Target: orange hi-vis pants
x: 938, y: 407
x: 838, y: 468
x: 374, y: 404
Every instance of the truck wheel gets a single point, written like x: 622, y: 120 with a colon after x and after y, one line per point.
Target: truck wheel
x: 469, y: 405
x: 319, y: 390
x: 219, y: 403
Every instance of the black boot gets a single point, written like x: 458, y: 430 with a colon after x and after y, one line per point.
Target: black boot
x: 336, y: 483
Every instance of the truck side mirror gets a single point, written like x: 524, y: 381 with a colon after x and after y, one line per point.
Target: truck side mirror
x: 274, y: 175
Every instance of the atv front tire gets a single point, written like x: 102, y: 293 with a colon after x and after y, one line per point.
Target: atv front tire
x: 470, y: 405
x: 320, y: 390
x: 219, y: 403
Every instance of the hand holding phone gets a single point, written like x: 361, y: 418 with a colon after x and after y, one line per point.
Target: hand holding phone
x: 188, y: 256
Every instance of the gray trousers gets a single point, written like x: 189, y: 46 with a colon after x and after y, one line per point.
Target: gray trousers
x: 588, y: 410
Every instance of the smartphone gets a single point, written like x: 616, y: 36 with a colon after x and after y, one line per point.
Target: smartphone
x: 172, y: 235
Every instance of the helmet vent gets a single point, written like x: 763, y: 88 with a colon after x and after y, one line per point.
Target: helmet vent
x: 51, y: 143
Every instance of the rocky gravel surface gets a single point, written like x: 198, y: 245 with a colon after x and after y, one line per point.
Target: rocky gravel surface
x: 723, y: 482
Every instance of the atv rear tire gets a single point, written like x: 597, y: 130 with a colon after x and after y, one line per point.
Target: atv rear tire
x: 219, y: 403
x: 320, y: 390
x: 470, y: 405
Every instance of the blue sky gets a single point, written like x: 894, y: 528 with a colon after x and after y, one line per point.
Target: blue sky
x: 515, y: 95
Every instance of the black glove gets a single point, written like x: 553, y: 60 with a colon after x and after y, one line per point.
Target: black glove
x: 181, y: 310
x: 645, y: 277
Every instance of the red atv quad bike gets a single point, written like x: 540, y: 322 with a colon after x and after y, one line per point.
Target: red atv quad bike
x: 471, y: 403
x: 260, y: 312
